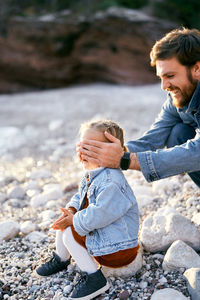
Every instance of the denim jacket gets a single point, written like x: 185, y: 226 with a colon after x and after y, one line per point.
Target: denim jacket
x: 111, y: 220
x: 157, y: 163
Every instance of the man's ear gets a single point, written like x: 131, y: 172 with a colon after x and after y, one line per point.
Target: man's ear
x: 196, y: 70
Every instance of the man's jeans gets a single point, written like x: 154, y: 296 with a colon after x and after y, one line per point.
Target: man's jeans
x: 179, y: 135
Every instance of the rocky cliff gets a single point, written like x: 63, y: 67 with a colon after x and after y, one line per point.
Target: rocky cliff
x: 58, y: 50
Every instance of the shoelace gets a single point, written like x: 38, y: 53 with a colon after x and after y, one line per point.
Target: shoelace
x: 52, y: 260
x: 81, y: 281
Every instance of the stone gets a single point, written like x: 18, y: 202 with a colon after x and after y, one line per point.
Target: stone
x: 16, y: 203
x: 11, y: 138
x: 143, y: 194
x: 126, y: 271
x: 55, y: 124
x: 180, y: 255
x: 143, y: 284
x: 40, y: 174
x: 192, y: 277
x: 79, y: 49
x: 31, y: 185
x: 32, y: 193
x: 50, y: 193
x: 168, y: 294
x: 27, y: 227
x: 36, y: 237
x: 124, y: 295
x: 67, y: 289
x: 38, y: 200
x: 48, y: 215
x: 158, y: 232
x: 165, y: 185
x: 70, y: 187
x: 9, y: 229
x: 2, y: 197
x: 196, y: 218
x: 16, y: 192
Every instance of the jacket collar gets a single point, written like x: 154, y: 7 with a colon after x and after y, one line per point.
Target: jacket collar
x: 194, y: 104
x: 91, y: 174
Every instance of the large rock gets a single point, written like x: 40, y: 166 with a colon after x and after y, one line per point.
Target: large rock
x: 168, y: 294
x: 128, y: 270
x: 158, y: 232
x: 193, y: 281
x: 180, y: 255
x: 113, y: 46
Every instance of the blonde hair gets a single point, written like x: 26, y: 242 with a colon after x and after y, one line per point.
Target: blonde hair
x: 105, y: 125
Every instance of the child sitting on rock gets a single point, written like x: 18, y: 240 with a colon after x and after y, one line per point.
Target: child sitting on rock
x: 99, y: 226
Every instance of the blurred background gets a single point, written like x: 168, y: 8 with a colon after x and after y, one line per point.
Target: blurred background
x: 47, y: 44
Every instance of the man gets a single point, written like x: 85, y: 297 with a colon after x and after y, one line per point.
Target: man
x: 172, y: 145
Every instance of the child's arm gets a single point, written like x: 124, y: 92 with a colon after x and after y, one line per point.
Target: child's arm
x: 111, y: 204
x: 74, y: 202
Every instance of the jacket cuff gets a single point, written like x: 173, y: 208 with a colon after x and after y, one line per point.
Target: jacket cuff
x: 147, y: 166
x: 72, y: 209
x: 77, y: 225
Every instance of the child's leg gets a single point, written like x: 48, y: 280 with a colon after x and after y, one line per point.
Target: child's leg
x: 61, y: 250
x: 84, y: 261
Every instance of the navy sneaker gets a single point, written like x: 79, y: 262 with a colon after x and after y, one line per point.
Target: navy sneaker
x: 90, y: 286
x: 53, y: 266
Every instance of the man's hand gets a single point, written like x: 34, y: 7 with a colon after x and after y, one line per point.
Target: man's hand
x: 102, y: 153
x: 64, y: 221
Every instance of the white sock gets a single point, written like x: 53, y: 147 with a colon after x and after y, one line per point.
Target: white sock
x: 61, y: 250
x: 84, y: 261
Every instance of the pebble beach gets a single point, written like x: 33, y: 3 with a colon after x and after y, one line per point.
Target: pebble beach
x: 39, y: 173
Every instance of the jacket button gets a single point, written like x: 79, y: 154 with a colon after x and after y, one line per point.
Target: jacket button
x: 91, y: 252
x: 91, y: 233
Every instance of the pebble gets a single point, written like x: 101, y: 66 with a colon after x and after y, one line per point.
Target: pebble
x: 124, y: 295
x: 27, y: 227
x: 34, y: 242
x: 9, y: 229
x: 16, y: 192
x: 2, y: 197
x: 36, y: 237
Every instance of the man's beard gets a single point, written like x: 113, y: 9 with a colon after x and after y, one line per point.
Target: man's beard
x: 185, y: 94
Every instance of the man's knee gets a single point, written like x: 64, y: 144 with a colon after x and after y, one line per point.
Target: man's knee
x: 180, y: 133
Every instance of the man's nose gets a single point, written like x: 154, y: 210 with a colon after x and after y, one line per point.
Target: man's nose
x: 165, y: 84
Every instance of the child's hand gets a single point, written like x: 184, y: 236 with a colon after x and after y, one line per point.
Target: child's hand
x: 64, y: 221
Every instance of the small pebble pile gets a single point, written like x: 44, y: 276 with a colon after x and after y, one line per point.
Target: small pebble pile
x: 31, y: 193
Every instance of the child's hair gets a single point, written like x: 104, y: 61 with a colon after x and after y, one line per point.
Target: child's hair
x: 105, y: 125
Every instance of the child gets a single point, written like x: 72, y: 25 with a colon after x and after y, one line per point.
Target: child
x: 100, y: 224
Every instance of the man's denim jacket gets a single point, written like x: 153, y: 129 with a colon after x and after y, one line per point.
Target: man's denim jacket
x: 111, y: 220
x: 157, y: 163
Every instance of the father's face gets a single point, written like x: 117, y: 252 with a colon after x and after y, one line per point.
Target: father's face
x: 176, y: 79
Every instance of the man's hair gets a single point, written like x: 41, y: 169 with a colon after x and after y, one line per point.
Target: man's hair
x: 184, y: 44
x: 105, y: 125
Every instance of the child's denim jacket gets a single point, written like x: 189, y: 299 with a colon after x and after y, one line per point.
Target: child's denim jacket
x: 111, y: 220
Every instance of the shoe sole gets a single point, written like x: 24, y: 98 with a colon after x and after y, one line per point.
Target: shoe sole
x: 93, y: 295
